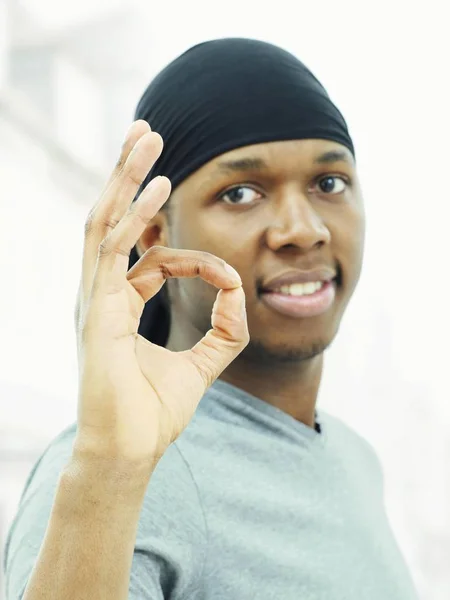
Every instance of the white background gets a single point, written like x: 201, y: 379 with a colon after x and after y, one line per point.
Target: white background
x: 70, y: 76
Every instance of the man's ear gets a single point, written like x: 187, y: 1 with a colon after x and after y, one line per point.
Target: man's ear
x: 155, y: 234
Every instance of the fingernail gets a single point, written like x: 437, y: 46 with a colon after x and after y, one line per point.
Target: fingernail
x: 232, y: 271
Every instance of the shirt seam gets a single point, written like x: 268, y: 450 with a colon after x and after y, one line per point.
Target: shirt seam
x: 205, y: 521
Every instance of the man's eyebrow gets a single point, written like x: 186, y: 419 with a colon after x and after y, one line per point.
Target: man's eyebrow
x: 333, y: 156
x: 258, y: 164
x: 243, y: 164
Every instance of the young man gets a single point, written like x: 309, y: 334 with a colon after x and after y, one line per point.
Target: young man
x: 175, y: 484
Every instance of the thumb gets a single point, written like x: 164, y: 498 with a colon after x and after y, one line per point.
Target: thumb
x: 227, y: 338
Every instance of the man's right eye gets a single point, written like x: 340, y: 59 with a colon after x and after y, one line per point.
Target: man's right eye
x: 240, y: 194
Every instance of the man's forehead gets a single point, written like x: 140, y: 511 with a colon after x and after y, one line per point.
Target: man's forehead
x: 261, y: 156
x: 268, y: 157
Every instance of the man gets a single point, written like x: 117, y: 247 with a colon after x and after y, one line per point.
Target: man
x: 245, y: 491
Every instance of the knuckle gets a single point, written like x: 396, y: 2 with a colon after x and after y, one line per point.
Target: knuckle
x: 135, y: 175
x: 202, y: 262
x: 156, y: 251
x: 110, y: 222
x: 136, y: 217
x: 89, y: 224
x: 104, y: 248
x: 94, y: 223
x: 120, y: 162
x: 108, y: 247
x: 192, y: 267
x: 206, y: 371
x: 166, y: 271
x: 208, y: 256
x: 211, y: 261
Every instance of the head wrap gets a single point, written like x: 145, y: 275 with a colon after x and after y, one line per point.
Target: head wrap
x: 222, y: 95
x: 229, y: 93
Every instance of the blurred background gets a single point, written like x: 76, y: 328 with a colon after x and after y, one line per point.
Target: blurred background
x: 70, y: 77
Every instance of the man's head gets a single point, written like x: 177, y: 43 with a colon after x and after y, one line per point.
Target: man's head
x: 264, y: 176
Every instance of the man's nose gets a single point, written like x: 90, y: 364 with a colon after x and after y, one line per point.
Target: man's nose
x: 297, y: 223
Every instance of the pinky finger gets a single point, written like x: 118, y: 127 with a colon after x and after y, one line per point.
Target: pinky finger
x: 114, y: 251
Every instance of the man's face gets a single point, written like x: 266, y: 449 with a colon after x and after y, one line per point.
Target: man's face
x: 282, y: 208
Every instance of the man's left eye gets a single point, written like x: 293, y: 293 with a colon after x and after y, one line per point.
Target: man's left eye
x: 332, y: 184
x: 240, y: 195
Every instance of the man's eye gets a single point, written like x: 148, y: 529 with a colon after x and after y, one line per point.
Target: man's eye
x: 240, y: 195
x: 332, y: 184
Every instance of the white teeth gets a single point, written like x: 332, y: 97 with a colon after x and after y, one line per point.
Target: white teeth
x: 302, y: 289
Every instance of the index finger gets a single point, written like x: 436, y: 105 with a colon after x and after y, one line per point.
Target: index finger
x: 159, y: 263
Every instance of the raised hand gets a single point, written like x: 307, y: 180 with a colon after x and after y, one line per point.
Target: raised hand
x: 135, y: 398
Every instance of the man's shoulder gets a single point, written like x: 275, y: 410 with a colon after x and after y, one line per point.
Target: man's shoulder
x: 347, y: 440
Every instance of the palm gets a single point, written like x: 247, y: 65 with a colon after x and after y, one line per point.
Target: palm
x: 175, y: 383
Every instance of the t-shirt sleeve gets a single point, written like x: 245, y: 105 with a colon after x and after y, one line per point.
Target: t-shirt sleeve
x: 171, y: 539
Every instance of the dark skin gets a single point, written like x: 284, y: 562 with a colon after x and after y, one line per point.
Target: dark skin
x: 267, y: 209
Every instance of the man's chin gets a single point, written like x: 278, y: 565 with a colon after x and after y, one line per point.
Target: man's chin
x: 265, y: 353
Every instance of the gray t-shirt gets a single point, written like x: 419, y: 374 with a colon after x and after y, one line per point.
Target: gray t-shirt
x: 247, y: 503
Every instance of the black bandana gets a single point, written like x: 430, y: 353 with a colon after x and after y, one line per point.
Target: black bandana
x: 229, y: 93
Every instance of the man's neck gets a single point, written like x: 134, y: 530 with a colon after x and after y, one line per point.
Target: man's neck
x: 292, y: 387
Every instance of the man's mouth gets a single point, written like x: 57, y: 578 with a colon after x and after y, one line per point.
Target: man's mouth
x: 300, y: 299
x: 300, y: 289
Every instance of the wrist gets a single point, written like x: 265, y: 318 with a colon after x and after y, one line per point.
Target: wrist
x: 100, y: 486
x: 98, y: 454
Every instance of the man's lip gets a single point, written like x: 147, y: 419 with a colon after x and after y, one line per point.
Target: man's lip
x: 290, y: 277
